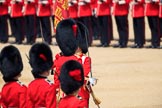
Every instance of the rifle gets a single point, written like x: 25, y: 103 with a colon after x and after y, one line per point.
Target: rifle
x: 96, y: 100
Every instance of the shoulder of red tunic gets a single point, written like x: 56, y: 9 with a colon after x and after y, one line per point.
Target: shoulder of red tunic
x: 41, y: 81
x: 72, y: 102
x: 15, y: 84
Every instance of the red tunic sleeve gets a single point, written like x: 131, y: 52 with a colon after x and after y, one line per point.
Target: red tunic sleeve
x: 22, y: 96
x: 51, y: 97
x: 87, y: 66
x: 14, y: 95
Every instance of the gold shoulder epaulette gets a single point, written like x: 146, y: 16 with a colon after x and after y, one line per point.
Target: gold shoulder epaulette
x: 49, y: 82
x: 20, y: 83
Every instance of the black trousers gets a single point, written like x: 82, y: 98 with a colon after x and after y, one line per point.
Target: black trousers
x: 122, y: 27
x: 3, y: 28
x: 87, y: 22
x: 46, y: 29
x: 111, y: 28
x: 139, y: 30
x: 12, y: 26
x: 18, y: 23
x: 30, y: 28
x: 153, y: 22
x: 105, y: 29
x: 38, y: 31
x: 95, y: 26
x: 160, y: 21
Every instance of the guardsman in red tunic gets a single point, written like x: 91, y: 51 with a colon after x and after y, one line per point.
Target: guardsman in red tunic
x: 13, y: 94
x: 120, y: 11
x: 71, y: 78
x: 68, y: 44
x: 104, y: 19
x: 152, y: 13
x: 29, y: 13
x: 160, y: 17
x: 17, y: 19
x: 80, y: 53
x: 41, y: 92
x: 75, y: 50
x: 138, y: 23
x: 3, y: 21
x: 84, y: 16
x: 73, y: 9
x: 44, y: 13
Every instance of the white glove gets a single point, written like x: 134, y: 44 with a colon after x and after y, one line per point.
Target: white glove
x: 93, y: 81
x: 18, y: 0
x: 43, y: 2
x: 121, y: 2
x: 74, y: 1
x: 154, y: 0
x: 87, y: 1
x: 30, y: 0
x: 81, y: 3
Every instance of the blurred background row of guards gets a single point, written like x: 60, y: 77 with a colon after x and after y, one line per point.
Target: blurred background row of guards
x: 32, y: 18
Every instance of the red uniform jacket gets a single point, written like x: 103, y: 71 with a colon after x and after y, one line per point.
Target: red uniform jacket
x: 152, y: 8
x: 138, y: 9
x: 58, y: 62
x: 71, y: 101
x: 41, y: 93
x: 160, y: 10
x: 13, y: 95
x: 104, y: 8
x: 85, y: 61
x: 4, y: 7
x: 30, y: 7
x: 44, y: 8
x: 73, y: 8
x: 121, y: 7
x: 94, y: 4
x: 16, y: 8
x: 84, y: 8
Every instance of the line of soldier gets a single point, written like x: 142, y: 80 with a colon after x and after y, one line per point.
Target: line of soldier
x: 71, y: 72
x: 95, y: 14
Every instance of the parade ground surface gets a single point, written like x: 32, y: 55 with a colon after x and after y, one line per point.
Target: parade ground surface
x: 127, y: 78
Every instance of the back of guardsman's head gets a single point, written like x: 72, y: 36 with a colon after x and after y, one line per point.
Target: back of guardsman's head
x: 84, y: 37
x: 67, y: 36
x: 71, y: 76
x: 40, y: 58
x: 11, y: 63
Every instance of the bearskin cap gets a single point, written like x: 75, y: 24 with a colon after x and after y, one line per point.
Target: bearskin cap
x: 11, y: 64
x: 40, y: 58
x: 83, y: 39
x: 67, y: 36
x: 71, y: 76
